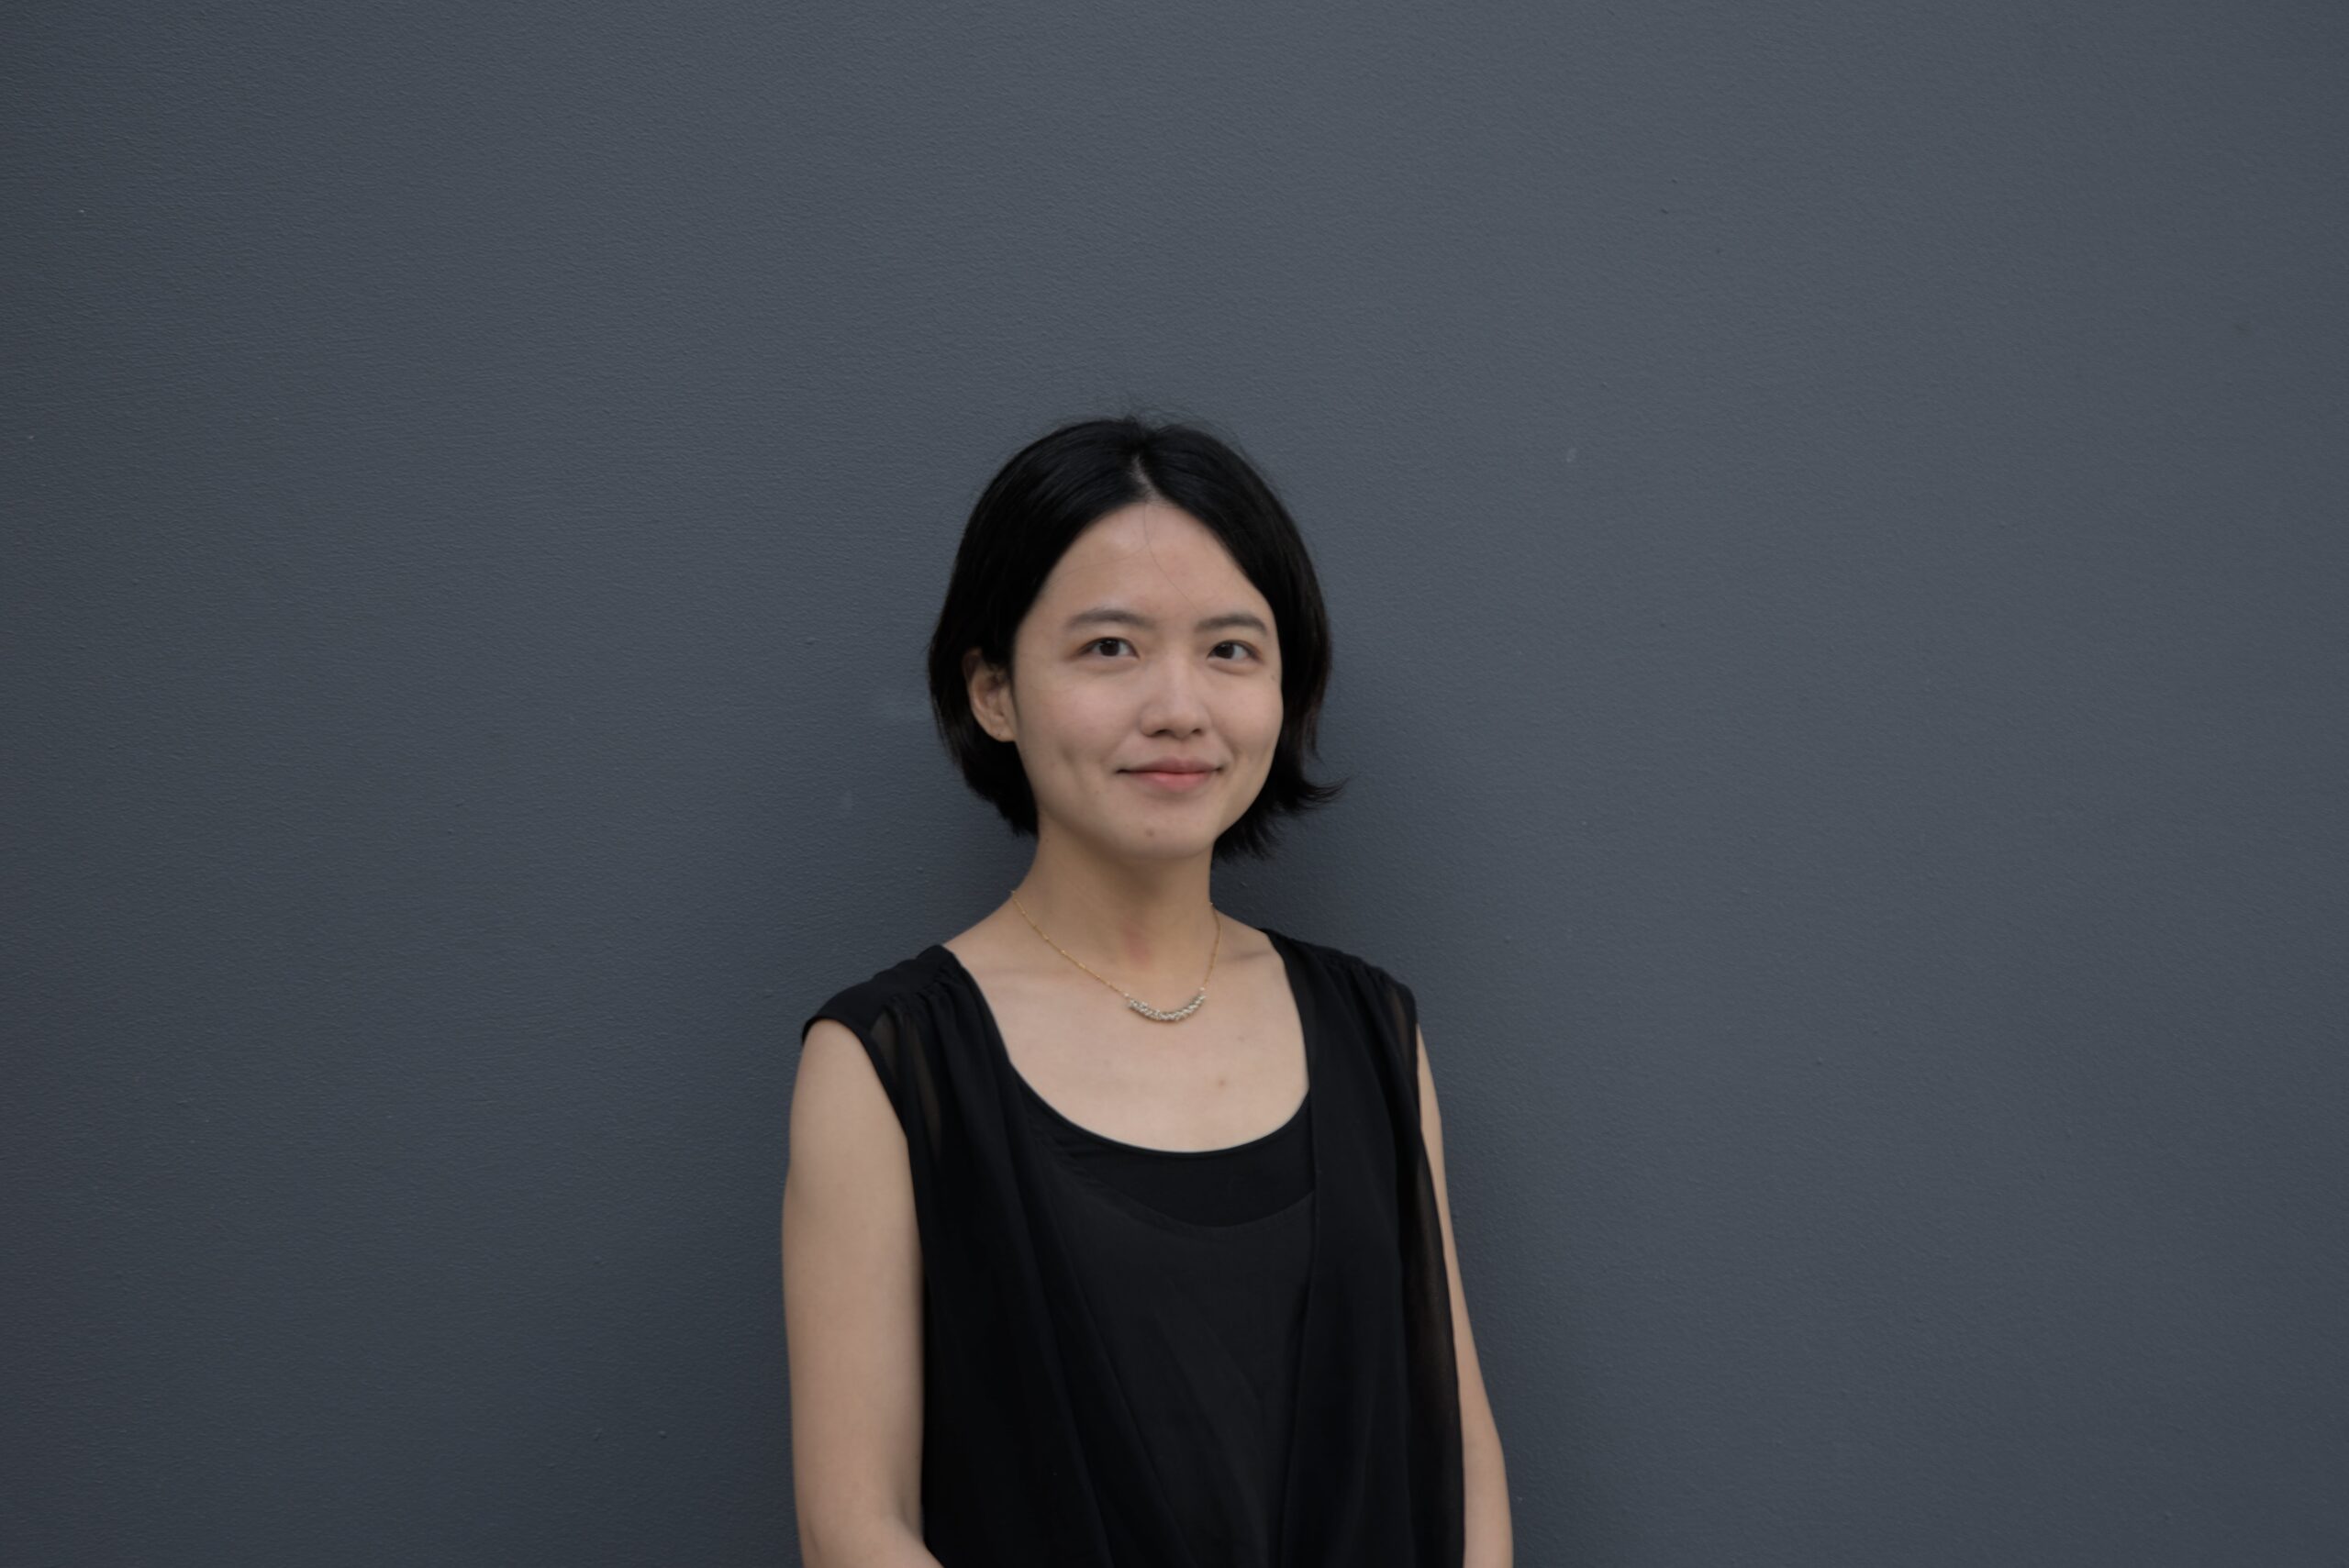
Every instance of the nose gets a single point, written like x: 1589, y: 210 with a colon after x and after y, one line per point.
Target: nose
x: 1174, y: 704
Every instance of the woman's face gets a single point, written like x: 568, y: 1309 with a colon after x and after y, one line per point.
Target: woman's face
x: 1147, y: 645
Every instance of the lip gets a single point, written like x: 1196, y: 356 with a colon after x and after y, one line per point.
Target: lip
x: 1178, y: 781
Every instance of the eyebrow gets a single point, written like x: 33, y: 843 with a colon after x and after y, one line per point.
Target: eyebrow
x: 1112, y: 615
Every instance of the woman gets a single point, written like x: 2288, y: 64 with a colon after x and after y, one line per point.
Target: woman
x: 1114, y: 1231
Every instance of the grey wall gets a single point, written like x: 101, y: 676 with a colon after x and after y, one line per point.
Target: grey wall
x: 1833, y: 520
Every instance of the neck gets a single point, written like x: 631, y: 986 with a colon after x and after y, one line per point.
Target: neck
x: 1140, y: 920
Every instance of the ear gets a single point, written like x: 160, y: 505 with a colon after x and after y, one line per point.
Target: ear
x: 990, y: 692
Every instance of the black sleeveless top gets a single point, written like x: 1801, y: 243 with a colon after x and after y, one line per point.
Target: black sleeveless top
x: 1139, y: 1358
x: 1195, y: 1263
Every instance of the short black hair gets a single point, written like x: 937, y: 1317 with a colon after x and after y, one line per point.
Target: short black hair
x: 1052, y: 490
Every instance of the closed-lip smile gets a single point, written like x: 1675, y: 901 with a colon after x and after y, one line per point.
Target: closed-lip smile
x: 1174, y: 765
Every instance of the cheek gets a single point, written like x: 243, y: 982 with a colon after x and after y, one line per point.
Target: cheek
x: 1086, y: 731
x: 1263, y: 720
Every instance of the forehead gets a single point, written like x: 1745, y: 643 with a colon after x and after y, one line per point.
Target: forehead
x: 1150, y: 554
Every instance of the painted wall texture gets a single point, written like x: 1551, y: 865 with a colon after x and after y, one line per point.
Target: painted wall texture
x: 1833, y: 517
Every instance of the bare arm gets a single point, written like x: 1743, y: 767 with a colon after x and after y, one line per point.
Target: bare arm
x: 852, y: 1307
x: 1490, y: 1541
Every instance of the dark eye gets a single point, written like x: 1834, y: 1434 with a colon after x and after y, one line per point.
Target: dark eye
x: 1099, y: 641
x: 1242, y: 646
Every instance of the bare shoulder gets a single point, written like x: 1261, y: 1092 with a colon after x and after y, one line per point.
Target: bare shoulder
x: 845, y: 1136
x: 852, y: 1276
x: 1244, y: 938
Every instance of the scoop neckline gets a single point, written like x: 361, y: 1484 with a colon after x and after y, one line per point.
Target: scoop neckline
x: 1300, y: 999
x: 1294, y: 1123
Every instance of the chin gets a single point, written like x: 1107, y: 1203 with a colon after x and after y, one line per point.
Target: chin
x: 1137, y: 843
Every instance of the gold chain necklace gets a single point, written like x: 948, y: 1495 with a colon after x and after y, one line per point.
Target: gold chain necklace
x: 1136, y: 1002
